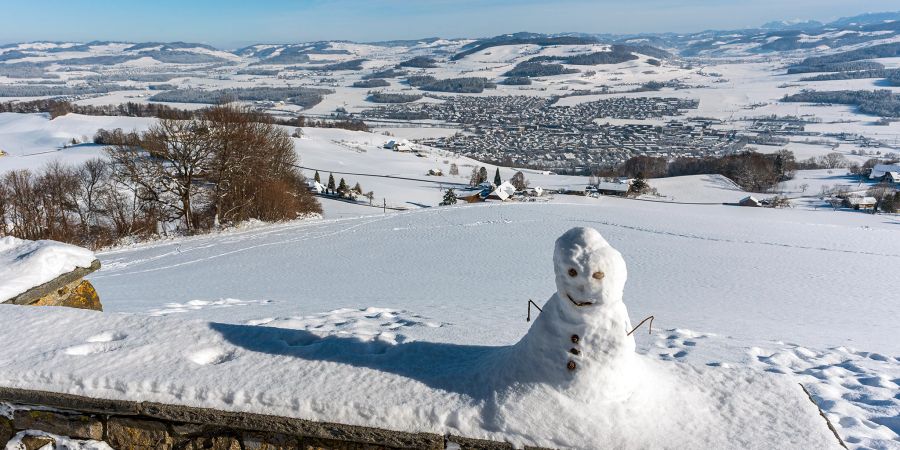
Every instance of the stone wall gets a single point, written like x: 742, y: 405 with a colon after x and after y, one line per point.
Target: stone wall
x: 68, y: 289
x: 127, y: 425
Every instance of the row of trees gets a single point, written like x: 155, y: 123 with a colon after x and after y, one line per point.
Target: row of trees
x: 881, y: 102
x: 58, y: 108
x: 480, y: 175
x: 229, y: 165
x: 755, y: 172
x: 342, y: 189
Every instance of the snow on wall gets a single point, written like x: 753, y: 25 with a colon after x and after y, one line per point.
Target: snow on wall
x: 26, y: 264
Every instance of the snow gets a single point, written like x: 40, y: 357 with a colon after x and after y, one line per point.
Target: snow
x: 26, y: 264
x: 59, y: 442
x: 414, y: 316
x: 697, y: 189
x: 251, y: 319
x: 357, y: 366
x: 33, y: 140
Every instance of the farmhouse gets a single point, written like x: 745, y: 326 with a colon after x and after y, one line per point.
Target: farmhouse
x: 860, y: 202
x: 891, y: 177
x: 880, y: 170
x: 612, y: 188
x: 750, y: 201
x: 398, y: 146
x: 316, y: 187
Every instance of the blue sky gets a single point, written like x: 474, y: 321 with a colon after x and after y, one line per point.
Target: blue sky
x: 232, y: 23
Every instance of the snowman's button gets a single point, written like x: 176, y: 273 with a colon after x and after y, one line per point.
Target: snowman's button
x: 570, y: 365
x: 575, y: 338
x: 574, y: 351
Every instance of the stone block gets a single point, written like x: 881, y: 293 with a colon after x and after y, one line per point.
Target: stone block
x: 478, y: 444
x: 270, y: 441
x: 133, y: 434
x: 211, y: 443
x: 37, y: 442
x: 79, y: 426
x: 6, y: 431
x: 78, y: 294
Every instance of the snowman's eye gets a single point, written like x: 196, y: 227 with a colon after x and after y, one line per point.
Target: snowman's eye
x: 573, y: 272
x: 598, y: 275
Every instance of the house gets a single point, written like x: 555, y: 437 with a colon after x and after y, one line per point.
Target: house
x: 470, y: 196
x: 889, y: 177
x: 507, y: 187
x: 499, y: 194
x: 880, y: 170
x: 435, y: 172
x: 612, y: 188
x: 750, y: 201
x: 316, y: 187
x: 2, y: 153
x: 398, y: 146
x: 578, y: 189
x: 860, y: 202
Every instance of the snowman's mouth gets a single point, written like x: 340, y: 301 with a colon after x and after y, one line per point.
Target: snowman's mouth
x: 579, y: 304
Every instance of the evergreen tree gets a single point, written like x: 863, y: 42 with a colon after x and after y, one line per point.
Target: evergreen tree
x: 342, y: 188
x: 317, y: 177
x: 330, y: 187
x: 449, y: 198
x: 638, y: 185
x: 497, y: 180
x: 357, y: 188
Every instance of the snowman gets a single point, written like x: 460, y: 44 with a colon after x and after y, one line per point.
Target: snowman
x: 580, y: 341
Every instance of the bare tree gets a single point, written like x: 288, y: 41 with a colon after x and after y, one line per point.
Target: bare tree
x: 834, y: 160
x: 167, y: 167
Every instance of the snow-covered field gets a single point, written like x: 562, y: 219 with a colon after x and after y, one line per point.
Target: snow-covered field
x: 792, y: 296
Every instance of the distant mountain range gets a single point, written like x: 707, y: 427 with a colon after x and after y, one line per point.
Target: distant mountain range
x: 846, y: 33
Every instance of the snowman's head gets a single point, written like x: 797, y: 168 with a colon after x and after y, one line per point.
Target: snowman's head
x: 589, y: 272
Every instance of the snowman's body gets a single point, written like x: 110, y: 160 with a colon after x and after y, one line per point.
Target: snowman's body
x: 580, y: 340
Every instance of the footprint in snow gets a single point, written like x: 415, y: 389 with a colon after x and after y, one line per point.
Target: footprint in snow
x: 100, y: 343
x: 107, y: 336
x: 212, y: 356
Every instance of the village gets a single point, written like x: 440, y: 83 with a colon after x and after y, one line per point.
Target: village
x: 532, y: 132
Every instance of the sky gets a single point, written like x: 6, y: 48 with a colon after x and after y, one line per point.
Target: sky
x: 230, y: 24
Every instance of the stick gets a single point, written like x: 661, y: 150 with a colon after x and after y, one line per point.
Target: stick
x: 822, y: 413
x: 649, y: 331
x: 530, y: 302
